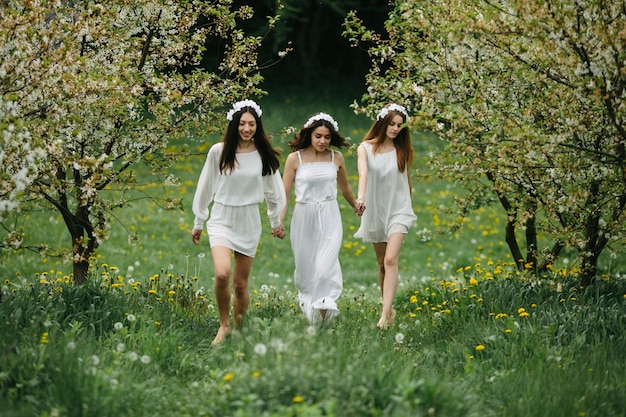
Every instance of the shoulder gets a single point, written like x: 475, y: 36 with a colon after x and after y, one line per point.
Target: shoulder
x: 292, y: 160
x: 338, y: 156
x: 216, y: 148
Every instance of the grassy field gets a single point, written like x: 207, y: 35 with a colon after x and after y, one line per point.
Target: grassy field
x: 473, y: 336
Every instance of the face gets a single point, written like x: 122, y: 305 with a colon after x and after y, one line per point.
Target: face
x: 247, y: 127
x: 320, y: 138
x: 394, y: 127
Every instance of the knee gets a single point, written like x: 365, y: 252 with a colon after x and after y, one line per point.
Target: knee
x: 222, y: 279
x: 241, y: 289
x: 390, y: 262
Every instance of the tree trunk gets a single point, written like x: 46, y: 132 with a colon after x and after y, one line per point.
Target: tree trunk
x: 81, y: 271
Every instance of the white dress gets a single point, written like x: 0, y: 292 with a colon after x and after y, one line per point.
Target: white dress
x: 316, y: 235
x: 235, y: 221
x: 387, y: 198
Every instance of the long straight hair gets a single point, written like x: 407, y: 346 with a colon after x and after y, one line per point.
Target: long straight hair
x: 402, y: 142
x: 269, y: 155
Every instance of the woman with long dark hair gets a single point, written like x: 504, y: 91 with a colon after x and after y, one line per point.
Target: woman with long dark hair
x: 315, y: 171
x: 239, y: 173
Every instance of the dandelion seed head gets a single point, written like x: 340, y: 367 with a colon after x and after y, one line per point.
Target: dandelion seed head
x: 260, y: 349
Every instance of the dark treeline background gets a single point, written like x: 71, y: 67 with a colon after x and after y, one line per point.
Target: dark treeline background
x: 321, y: 57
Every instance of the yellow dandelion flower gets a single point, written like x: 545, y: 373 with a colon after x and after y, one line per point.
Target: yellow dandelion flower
x: 480, y: 347
x: 413, y: 299
x: 507, y: 330
x: 44, y: 338
x: 298, y: 399
x: 256, y: 374
x: 533, y: 305
x: 228, y: 377
x: 520, y: 310
x: 524, y: 314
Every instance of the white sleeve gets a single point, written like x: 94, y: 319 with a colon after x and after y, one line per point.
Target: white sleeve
x: 274, y: 191
x: 207, y: 185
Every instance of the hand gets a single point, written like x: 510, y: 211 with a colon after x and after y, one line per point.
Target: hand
x: 279, y: 231
x: 359, y: 207
x: 195, y: 235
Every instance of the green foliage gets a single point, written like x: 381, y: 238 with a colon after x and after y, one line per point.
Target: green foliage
x: 528, y: 98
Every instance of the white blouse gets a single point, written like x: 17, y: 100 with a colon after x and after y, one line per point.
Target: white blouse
x: 242, y: 186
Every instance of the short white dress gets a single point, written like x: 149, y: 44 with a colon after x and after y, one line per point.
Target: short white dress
x: 235, y: 221
x: 316, y: 235
x: 387, y: 198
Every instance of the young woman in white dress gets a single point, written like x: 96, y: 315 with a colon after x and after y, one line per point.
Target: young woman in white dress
x: 239, y: 173
x: 384, y: 159
x: 316, y: 230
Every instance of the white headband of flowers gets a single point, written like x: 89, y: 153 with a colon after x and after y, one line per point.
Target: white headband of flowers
x: 240, y: 105
x: 385, y: 110
x: 322, y: 116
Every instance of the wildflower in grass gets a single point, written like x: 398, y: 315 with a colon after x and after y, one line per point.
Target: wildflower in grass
x: 533, y: 305
x: 399, y: 338
x: 480, y: 347
x: 118, y: 326
x: 311, y: 330
x: 522, y: 312
x: 413, y: 299
x: 120, y: 347
x: 507, y: 330
x: 228, y: 377
x: 500, y: 315
x: 298, y: 399
x: 133, y: 356
x: 152, y: 292
x: 145, y: 359
x: 256, y: 374
x: 95, y: 361
x: 71, y: 346
x: 131, y: 317
x: 44, y: 338
x: 473, y: 281
x: 260, y: 349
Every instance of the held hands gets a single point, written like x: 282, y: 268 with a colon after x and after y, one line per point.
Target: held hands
x: 279, y: 231
x: 359, y: 207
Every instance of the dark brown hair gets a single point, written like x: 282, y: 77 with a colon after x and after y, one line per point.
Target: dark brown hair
x: 269, y: 155
x: 302, y: 140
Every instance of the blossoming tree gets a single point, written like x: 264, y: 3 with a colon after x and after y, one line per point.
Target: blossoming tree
x: 529, y: 97
x: 90, y: 88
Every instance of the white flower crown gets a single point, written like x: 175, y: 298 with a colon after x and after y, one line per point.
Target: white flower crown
x: 385, y: 110
x: 322, y: 116
x: 240, y: 105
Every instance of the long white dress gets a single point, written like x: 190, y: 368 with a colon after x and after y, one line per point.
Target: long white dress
x: 387, y: 198
x: 235, y: 221
x: 316, y: 235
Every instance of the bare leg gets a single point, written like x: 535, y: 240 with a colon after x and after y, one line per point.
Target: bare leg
x: 221, y: 262
x: 387, y: 256
x: 243, y: 265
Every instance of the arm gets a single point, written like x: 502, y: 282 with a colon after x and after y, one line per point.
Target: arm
x: 362, y: 168
x: 276, y: 201
x: 289, y: 176
x: 344, y: 185
x: 205, y: 190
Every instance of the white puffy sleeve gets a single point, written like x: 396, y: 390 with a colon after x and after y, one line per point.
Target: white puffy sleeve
x: 207, y: 185
x: 274, y: 191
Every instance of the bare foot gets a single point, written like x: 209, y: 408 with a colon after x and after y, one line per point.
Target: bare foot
x: 386, y: 322
x: 222, y: 334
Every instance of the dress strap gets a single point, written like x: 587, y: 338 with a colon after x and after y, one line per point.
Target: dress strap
x: 299, y: 157
x: 332, y: 156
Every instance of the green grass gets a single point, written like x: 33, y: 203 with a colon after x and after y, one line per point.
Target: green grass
x: 473, y: 337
